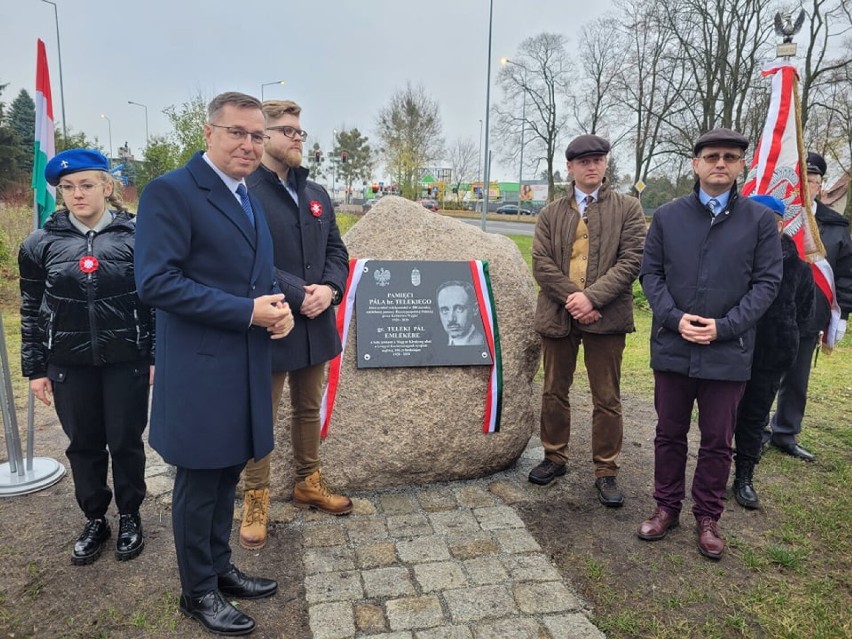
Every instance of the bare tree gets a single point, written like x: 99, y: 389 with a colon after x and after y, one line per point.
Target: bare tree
x: 829, y: 21
x: 650, y: 83
x: 595, y: 106
x: 535, y: 88
x: 723, y: 45
x: 464, y: 160
x: 410, y: 134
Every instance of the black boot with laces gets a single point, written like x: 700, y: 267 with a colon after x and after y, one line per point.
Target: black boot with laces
x: 743, y: 487
x: 130, y: 541
x: 90, y: 543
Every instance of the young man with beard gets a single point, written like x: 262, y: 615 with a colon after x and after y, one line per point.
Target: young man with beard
x: 793, y: 395
x: 711, y: 268
x: 311, y: 265
x: 586, y: 254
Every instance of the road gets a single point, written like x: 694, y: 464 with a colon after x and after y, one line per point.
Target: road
x: 503, y: 228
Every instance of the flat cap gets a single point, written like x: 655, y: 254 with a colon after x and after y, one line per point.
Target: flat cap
x: 584, y: 145
x: 771, y: 202
x: 74, y: 161
x: 721, y: 137
x: 816, y: 163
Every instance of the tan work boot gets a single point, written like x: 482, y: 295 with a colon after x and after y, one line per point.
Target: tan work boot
x: 313, y: 492
x: 255, y: 516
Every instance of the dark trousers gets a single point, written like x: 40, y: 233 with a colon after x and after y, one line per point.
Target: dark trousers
x: 674, y: 397
x: 602, y: 355
x: 753, y: 413
x: 786, y: 424
x: 202, y: 515
x: 104, y: 410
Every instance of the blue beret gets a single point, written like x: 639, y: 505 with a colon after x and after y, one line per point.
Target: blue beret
x: 772, y: 202
x: 74, y: 161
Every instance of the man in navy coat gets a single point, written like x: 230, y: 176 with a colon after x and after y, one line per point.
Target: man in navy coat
x: 712, y: 266
x: 204, y: 261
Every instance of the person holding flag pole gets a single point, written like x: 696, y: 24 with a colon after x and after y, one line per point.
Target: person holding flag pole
x: 777, y: 169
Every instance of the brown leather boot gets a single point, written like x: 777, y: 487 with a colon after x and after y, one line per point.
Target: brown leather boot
x: 313, y: 492
x: 255, y: 517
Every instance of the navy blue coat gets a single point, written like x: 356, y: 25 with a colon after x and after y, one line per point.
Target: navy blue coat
x: 308, y: 250
x: 200, y: 262
x: 728, y: 269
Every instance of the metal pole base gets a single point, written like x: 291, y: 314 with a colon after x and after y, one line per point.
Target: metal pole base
x: 45, y: 473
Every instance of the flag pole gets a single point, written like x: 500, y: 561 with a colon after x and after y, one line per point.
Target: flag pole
x: 40, y: 472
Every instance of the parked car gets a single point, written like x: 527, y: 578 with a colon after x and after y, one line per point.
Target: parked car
x: 366, y: 206
x: 512, y: 209
x: 432, y: 205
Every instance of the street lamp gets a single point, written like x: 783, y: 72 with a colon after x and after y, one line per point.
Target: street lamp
x: 109, y: 128
x: 59, y: 51
x: 486, y: 181
x: 479, y: 170
x: 505, y: 61
x: 333, y: 160
x: 147, y: 137
x: 267, y: 84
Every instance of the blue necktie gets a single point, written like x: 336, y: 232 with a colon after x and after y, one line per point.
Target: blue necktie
x: 244, y: 200
x: 713, y: 205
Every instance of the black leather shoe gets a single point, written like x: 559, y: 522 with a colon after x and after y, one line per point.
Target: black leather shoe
x: 238, y: 585
x: 608, y: 492
x: 130, y: 541
x: 794, y: 450
x: 89, y: 544
x: 216, y: 615
x: 546, y: 472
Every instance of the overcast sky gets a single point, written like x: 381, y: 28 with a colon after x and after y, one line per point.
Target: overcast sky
x: 341, y: 60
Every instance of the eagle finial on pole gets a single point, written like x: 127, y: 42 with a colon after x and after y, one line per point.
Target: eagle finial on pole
x: 785, y: 27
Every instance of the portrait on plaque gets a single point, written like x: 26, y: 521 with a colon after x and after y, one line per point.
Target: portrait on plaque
x: 459, y: 313
x: 419, y: 313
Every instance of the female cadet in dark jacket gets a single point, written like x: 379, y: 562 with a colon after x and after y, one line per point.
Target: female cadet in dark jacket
x: 776, y: 343
x: 88, y: 341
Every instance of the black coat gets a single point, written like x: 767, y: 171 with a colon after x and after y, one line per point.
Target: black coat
x: 727, y: 268
x: 834, y: 233
x: 307, y: 250
x: 76, y: 318
x: 789, y: 316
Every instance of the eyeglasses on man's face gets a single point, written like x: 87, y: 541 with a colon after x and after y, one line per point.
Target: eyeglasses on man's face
x: 729, y: 158
x: 68, y: 189
x: 238, y: 135
x: 290, y: 132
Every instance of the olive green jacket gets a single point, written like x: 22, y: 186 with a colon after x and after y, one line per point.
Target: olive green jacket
x: 616, y: 239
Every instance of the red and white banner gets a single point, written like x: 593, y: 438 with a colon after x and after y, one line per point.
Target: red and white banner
x: 777, y: 170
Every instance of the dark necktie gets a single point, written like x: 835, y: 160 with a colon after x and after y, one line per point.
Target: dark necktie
x: 244, y: 200
x: 586, y: 202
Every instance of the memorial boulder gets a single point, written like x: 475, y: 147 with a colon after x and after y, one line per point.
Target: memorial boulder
x: 417, y: 425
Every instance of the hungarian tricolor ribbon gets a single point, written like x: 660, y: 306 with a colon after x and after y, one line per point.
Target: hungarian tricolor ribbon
x: 776, y: 170
x: 485, y: 298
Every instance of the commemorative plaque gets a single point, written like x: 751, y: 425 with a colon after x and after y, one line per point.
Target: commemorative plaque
x: 419, y: 313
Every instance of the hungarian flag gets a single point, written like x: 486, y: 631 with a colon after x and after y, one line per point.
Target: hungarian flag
x: 45, y: 146
x: 777, y: 170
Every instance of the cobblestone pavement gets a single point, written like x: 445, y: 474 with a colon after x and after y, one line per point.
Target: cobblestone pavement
x: 444, y: 561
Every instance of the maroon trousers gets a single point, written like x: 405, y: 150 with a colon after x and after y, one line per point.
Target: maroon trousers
x: 674, y: 398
